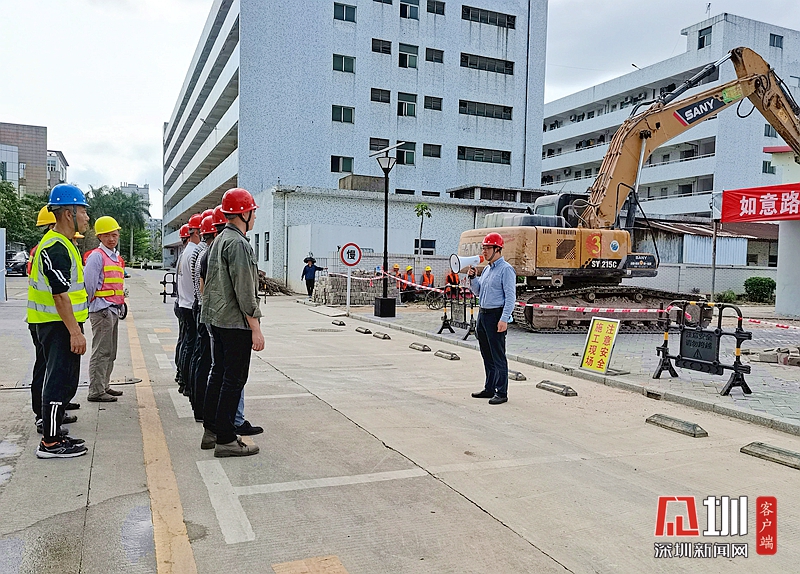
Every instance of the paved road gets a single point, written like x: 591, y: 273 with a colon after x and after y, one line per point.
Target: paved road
x: 373, y: 453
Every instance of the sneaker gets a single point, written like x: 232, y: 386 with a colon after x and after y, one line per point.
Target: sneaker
x: 62, y: 449
x: 246, y: 429
x: 235, y: 448
x: 498, y: 400
x: 72, y: 407
x: 209, y: 440
x: 69, y: 419
x: 113, y: 392
x: 104, y: 398
x: 73, y: 440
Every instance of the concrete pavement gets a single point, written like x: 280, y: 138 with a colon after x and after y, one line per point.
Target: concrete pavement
x: 373, y: 453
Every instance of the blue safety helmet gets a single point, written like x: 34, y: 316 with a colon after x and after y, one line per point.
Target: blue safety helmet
x: 66, y: 194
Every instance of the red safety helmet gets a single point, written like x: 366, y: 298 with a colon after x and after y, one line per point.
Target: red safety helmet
x: 184, y: 232
x: 493, y: 239
x: 219, y: 217
x: 208, y: 213
x: 195, y: 221
x: 207, y: 226
x: 238, y: 200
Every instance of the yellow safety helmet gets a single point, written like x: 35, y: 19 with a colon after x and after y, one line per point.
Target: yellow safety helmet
x: 105, y: 224
x: 396, y: 266
x: 409, y: 268
x: 46, y: 217
x: 428, y: 268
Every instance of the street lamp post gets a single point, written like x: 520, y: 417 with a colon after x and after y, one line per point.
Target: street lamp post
x: 384, y: 306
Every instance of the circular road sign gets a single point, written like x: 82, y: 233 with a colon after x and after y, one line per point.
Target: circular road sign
x: 350, y: 254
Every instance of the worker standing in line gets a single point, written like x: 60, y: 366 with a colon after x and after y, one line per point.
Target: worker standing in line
x: 427, y: 277
x: 497, y: 289
x: 105, y: 286
x: 309, y: 274
x: 48, y: 220
x: 231, y: 309
x: 58, y: 306
x: 201, y: 361
x: 184, y: 235
x: 186, y: 302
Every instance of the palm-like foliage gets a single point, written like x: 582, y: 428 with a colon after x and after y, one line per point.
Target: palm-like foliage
x: 422, y: 211
x: 130, y: 210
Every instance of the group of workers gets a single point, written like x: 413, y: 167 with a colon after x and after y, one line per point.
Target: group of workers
x: 62, y: 295
x: 408, y: 286
x: 218, y: 321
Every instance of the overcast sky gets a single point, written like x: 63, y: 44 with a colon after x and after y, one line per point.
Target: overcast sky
x: 103, y: 75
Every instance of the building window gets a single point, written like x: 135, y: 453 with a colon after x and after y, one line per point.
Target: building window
x: 381, y: 46
x: 433, y: 103
x: 428, y: 245
x: 484, y: 110
x: 488, y: 64
x: 704, y: 38
x: 776, y: 41
x: 384, y: 1
x: 488, y: 17
x: 409, y: 9
x: 431, y: 150
x: 341, y: 164
x: 256, y: 237
x: 484, y: 155
x: 344, y: 12
x: 406, y: 104
x: 21, y: 172
x: 406, y: 152
x: 405, y: 191
x: 344, y: 63
x: 767, y: 167
x: 3, y: 171
x: 498, y: 195
x: 408, y: 56
x: 436, y: 7
x: 377, y: 144
x: 378, y: 95
x: 434, y: 55
x: 266, y: 246
x: 769, y: 131
x: 431, y: 193
x: 343, y: 114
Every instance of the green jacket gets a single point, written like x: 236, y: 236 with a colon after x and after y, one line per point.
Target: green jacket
x: 231, y: 286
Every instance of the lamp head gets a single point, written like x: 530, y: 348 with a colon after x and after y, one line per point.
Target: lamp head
x: 386, y: 163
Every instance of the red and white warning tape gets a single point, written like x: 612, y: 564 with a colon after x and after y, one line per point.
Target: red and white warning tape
x: 778, y: 325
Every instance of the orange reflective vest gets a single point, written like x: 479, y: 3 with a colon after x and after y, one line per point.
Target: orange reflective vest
x: 452, y: 279
x: 30, y: 258
x: 408, y: 276
x: 427, y: 279
x: 112, y: 289
x: 398, y: 276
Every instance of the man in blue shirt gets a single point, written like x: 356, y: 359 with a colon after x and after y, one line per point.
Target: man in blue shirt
x: 497, y: 290
x: 310, y: 274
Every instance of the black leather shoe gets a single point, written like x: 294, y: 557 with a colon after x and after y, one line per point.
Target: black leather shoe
x: 483, y: 395
x: 69, y: 419
x: 246, y: 429
x: 72, y: 407
x: 498, y: 400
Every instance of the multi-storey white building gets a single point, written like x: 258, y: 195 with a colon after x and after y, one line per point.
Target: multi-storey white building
x: 56, y: 168
x: 142, y: 191
x: 722, y: 153
x: 300, y: 94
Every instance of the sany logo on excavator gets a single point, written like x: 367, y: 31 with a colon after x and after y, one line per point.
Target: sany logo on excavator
x: 698, y: 111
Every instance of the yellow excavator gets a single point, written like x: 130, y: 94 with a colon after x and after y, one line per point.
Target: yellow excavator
x: 572, y: 249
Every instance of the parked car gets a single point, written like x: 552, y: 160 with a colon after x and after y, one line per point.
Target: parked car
x: 16, y: 263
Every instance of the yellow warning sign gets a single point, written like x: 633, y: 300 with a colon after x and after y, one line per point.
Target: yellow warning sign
x: 599, y: 344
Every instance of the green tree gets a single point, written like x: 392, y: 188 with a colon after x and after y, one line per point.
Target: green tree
x: 131, y: 212
x: 18, y: 215
x: 422, y: 211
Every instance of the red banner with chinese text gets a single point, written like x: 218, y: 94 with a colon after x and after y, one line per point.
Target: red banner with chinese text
x: 769, y: 203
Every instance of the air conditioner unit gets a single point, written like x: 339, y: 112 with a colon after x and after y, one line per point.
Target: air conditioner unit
x: 572, y: 118
x: 642, y: 95
x: 628, y: 99
x: 567, y: 171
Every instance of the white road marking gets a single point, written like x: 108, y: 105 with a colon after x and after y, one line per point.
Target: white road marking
x: 164, y: 362
x: 153, y: 339
x: 182, y: 406
x: 327, y: 482
x: 514, y: 463
x: 286, y: 396
x: 231, y: 516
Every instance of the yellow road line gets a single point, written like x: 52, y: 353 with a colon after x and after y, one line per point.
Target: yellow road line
x: 318, y: 565
x: 163, y: 330
x: 173, y: 551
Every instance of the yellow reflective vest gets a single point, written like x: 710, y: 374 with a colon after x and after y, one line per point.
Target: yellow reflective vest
x: 41, y: 305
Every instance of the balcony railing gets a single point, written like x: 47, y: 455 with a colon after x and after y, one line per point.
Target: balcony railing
x: 680, y: 160
x: 544, y: 156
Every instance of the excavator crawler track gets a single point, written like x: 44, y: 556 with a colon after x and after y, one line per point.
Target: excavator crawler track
x: 539, y: 320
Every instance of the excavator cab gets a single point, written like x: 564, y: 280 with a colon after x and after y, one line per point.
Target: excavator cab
x: 566, y: 205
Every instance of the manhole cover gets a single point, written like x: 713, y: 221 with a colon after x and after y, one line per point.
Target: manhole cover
x: 326, y: 330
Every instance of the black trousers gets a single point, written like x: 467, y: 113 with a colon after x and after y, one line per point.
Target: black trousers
x: 230, y: 365
x: 178, y: 345
x: 187, y: 346
x: 201, y: 366
x: 63, y: 367
x: 493, y: 351
x: 310, y: 286
x: 37, y: 381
